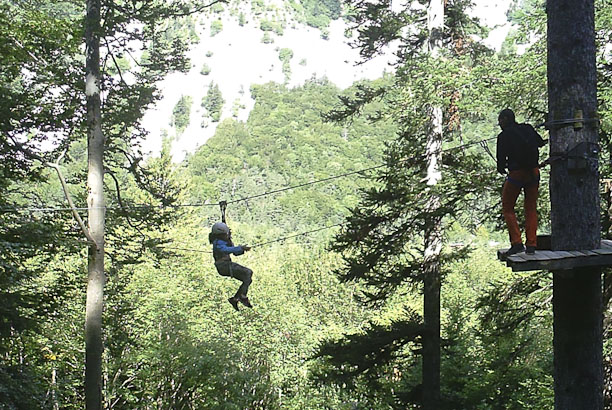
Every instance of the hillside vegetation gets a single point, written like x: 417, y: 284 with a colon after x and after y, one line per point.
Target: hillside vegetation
x: 328, y: 185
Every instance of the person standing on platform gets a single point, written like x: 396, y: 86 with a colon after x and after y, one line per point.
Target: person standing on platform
x: 517, y: 158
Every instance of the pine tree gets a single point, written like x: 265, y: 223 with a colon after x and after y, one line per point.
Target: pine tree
x: 412, y: 199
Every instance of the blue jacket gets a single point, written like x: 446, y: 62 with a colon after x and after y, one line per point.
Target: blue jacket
x: 223, y: 249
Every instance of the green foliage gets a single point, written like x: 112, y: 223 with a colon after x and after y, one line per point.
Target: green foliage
x: 213, y: 102
x: 180, y: 29
x: 216, y: 27
x: 120, y: 64
x: 258, y: 7
x: 236, y: 107
x: 287, y: 139
x: 241, y: 19
x: 171, y: 338
x: 317, y: 13
x: 218, y: 8
x: 267, y: 38
x: 269, y: 25
x: 205, y: 69
x: 181, y: 113
x: 285, y: 55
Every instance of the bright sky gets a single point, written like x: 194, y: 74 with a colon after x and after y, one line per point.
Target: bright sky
x: 493, y: 14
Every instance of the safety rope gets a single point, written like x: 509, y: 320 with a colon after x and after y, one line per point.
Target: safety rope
x: 484, y: 146
x: 260, y: 244
x: 567, y: 121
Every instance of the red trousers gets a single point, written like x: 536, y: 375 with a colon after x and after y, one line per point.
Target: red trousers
x: 529, y: 181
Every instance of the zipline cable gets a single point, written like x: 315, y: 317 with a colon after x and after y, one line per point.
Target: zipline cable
x: 276, y: 191
x: 260, y: 244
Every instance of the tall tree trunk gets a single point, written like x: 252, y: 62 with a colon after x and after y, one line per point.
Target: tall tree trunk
x: 95, y: 203
x: 574, y: 193
x: 433, y: 233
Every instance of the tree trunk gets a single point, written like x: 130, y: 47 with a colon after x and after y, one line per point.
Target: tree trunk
x: 433, y: 233
x: 574, y: 193
x: 95, y: 202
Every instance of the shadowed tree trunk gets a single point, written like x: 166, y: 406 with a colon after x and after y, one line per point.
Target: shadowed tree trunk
x: 574, y: 193
x: 95, y: 203
x: 433, y: 233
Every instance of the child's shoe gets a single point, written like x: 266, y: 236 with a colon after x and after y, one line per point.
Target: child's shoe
x: 245, y: 301
x: 234, y: 302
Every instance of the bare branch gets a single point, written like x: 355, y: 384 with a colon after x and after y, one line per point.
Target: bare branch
x: 127, y: 216
x: 69, y: 199
x: 110, y: 52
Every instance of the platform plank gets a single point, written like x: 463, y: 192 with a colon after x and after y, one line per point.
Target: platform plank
x: 559, y: 260
x: 606, y: 251
x: 550, y: 255
x: 606, y: 243
x: 563, y: 254
x: 538, y: 256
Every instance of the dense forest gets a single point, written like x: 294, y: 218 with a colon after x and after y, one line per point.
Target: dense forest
x: 331, y: 187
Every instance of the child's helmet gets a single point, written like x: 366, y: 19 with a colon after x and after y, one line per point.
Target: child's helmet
x: 220, y: 228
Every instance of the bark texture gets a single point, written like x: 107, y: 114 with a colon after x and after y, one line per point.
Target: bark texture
x: 95, y: 202
x: 574, y: 193
x: 433, y: 232
x: 572, y: 86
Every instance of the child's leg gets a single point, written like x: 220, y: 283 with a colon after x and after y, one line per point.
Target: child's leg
x: 243, y: 274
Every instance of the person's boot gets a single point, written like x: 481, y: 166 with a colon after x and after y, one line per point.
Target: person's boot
x: 234, y: 302
x: 245, y: 301
x: 530, y: 250
x: 516, y: 248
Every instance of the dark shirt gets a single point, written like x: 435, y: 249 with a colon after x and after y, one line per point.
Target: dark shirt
x: 517, y: 148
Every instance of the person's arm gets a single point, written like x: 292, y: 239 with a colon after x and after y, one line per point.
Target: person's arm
x: 224, y: 248
x: 501, y: 155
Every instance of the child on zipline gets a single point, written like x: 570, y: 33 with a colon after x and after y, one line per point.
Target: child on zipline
x: 221, y: 240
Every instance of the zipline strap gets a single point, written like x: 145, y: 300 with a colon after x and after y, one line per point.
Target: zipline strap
x: 223, y: 206
x: 484, y: 146
x: 551, y: 159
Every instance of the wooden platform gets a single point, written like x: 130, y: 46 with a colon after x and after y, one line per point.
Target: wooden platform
x: 544, y: 259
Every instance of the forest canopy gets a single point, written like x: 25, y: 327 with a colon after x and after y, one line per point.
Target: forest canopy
x: 328, y: 185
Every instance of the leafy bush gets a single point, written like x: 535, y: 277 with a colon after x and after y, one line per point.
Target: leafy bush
x: 217, y: 8
x: 267, y: 38
x: 216, y: 27
x: 205, y: 69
